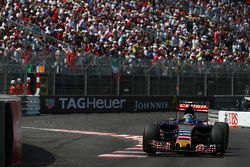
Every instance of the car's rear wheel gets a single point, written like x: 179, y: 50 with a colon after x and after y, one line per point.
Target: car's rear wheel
x: 219, y: 137
x: 151, y: 132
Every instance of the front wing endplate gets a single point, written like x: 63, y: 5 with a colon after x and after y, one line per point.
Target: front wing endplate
x: 163, y: 146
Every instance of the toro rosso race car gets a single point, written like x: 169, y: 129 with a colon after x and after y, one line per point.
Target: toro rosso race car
x: 186, y: 134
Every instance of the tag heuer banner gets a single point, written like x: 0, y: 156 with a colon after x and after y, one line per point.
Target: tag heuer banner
x: 69, y: 104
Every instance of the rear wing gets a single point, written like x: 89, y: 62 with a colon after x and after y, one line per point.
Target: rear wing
x: 181, y: 106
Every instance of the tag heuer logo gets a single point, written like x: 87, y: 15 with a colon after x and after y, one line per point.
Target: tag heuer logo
x: 50, y: 103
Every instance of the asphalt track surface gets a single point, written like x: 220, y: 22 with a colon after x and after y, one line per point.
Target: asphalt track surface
x: 66, y: 141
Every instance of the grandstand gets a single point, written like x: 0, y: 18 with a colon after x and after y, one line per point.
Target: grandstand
x: 160, y: 47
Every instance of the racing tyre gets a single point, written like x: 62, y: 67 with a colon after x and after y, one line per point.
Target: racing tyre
x: 219, y: 137
x: 225, y: 126
x: 151, y: 132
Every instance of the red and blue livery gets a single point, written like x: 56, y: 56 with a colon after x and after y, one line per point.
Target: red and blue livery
x: 186, y: 134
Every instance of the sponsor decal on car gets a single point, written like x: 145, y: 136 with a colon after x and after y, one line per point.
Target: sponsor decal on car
x: 160, y: 145
x: 184, y: 134
x: 197, y: 107
x: 205, y: 149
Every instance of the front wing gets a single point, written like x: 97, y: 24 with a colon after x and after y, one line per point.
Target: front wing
x: 162, y: 146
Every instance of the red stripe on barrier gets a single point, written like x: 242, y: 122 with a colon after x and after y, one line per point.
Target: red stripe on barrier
x: 38, y: 85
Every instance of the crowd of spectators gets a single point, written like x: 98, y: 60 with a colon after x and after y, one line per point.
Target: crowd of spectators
x: 136, y: 30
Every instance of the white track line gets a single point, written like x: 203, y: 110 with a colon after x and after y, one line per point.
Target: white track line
x: 130, y: 137
x: 129, y: 152
x: 121, y: 156
x: 132, y: 152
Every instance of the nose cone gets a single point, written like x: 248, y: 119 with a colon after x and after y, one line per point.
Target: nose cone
x: 183, y: 143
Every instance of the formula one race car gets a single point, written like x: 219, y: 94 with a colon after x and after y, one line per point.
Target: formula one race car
x: 186, y: 134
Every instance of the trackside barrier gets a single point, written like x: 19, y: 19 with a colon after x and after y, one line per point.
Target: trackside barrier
x: 213, y: 116
x: 30, y: 105
x: 10, y: 130
x: 83, y: 104
x: 235, y: 119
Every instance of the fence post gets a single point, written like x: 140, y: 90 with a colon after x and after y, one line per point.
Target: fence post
x: 148, y: 83
x: 178, y: 85
x: 86, y: 82
x: 5, y: 85
x: 54, y: 83
x: 205, y: 85
x: 118, y: 84
x: 232, y: 85
x: 25, y: 81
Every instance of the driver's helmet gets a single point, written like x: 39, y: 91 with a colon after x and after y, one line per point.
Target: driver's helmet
x: 188, y: 118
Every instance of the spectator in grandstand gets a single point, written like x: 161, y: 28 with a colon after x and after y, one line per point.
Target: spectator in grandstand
x: 79, y: 61
x: 59, y: 59
x: 194, y: 31
x: 12, y: 88
x: 8, y: 52
x: 16, y: 57
x: 71, y: 59
x: 27, y: 54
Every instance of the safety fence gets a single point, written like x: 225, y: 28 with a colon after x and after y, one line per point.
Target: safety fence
x: 98, y: 77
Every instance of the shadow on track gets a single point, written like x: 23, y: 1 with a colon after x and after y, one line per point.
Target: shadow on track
x: 35, y: 157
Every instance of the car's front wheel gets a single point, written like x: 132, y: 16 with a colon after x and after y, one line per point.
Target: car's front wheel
x: 219, y: 136
x: 151, y: 132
